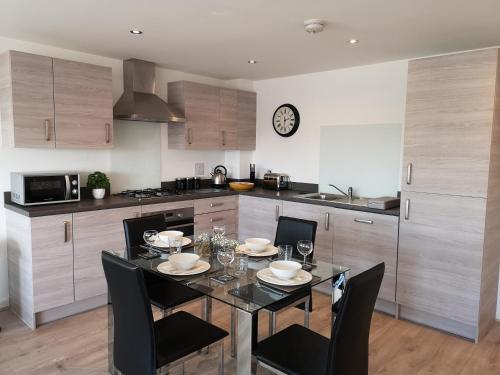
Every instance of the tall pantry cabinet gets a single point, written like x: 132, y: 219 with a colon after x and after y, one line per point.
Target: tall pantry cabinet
x: 449, y: 241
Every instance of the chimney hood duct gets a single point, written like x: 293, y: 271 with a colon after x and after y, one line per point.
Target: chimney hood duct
x: 138, y: 101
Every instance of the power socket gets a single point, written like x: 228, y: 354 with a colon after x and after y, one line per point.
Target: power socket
x: 199, y: 169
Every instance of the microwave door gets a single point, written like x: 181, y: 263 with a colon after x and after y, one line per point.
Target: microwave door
x: 46, y: 189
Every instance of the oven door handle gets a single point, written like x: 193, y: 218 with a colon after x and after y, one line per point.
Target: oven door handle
x: 169, y: 227
x: 67, y: 193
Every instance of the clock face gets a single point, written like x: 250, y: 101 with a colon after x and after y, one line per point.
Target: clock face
x: 286, y: 120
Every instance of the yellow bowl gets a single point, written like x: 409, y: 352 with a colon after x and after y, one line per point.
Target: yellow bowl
x: 241, y: 186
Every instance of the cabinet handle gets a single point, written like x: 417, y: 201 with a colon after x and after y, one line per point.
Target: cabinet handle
x: 216, y: 204
x: 67, y: 233
x: 409, y: 170
x: 327, y: 221
x: 223, y: 137
x: 216, y: 219
x: 277, y: 213
x: 108, y: 132
x: 189, y: 136
x: 47, y: 130
x: 407, y: 209
x: 363, y: 221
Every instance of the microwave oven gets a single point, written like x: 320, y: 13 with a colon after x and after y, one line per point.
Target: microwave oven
x: 36, y: 188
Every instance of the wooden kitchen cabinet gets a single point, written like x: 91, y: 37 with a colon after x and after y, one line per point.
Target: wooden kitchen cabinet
x: 54, y: 103
x: 203, y: 206
x: 95, y: 231
x: 258, y: 217
x: 363, y: 240
x: 440, y: 258
x: 217, y: 210
x: 449, y: 114
x: 26, y: 100
x: 216, y: 118
x: 83, y: 105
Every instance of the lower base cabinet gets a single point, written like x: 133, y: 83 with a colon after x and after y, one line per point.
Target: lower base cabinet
x: 363, y: 240
x: 258, y: 217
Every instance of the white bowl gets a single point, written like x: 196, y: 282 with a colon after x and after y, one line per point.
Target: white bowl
x: 167, y: 235
x: 183, y: 261
x: 256, y: 244
x: 285, y: 269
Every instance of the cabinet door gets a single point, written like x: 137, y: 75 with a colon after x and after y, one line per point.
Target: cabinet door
x: 32, y: 100
x: 228, y: 119
x: 95, y: 231
x: 205, y: 222
x: 247, y: 119
x: 440, y: 255
x: 202, y: 113
x: 363, y: 240
x: 52, y: 249
x: 83, y: 105
x: 449, y: 114
x: 324, y: 233
x: 202, y: 206
x: 258, y: 217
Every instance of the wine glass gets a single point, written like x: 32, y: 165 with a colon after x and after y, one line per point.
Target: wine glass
x: 225, y: 256
x: 305, y: 247
x: 219, y: 229
x: 150, y: 237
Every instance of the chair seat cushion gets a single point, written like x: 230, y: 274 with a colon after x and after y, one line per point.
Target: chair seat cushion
x: 288, y: 301
x: 166, y: 294
x: 295, y: 350
x: 180, y: 334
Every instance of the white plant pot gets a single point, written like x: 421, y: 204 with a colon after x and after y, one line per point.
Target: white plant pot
x: 98, y: 193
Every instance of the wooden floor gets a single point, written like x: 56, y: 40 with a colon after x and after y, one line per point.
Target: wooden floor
x: 77, y: 345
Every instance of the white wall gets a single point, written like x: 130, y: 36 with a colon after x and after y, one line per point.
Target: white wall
x: 135, y: 161
x: 373, y: 94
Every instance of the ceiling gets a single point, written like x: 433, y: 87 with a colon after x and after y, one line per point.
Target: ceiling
x: 218, y: 37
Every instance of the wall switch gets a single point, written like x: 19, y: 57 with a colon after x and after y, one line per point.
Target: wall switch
x: 199, y: 169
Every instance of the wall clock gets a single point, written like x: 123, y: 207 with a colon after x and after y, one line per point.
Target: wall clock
x: 286, y: 120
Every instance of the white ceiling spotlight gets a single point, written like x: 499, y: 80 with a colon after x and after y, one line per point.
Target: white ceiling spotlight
x: 314, y: 26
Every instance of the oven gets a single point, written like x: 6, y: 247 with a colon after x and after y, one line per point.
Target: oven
x: 181, y: 219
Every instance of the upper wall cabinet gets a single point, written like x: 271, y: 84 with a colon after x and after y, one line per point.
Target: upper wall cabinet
x: 53, y: 103
x: 449, y: 115
x: 217, y: 118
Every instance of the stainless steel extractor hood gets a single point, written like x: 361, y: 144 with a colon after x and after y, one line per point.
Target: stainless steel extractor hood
x: 138, y: 101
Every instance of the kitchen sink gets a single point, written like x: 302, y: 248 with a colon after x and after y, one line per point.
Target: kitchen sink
x: 335, y: 198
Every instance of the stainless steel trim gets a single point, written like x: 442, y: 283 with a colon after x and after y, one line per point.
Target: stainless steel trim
x: 67, y: 227
x: 363, y: 221
x: 216, y: 204
x: 189, y: 140
x: 327, y: 220
x: 108, y: 132
x: 277, y: 213
x: 216, y: 219
x: 47, y: 130
x: 407, y: 209
x: 409, y: 170
x: 67, y: 193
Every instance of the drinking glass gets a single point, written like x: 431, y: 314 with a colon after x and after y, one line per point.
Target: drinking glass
x: 219, y: 229
x: 285, y: 252
x: 225, y: 256
x: 240, y: 264
x: 175, y: 244
x: 305, y: 247
x: 150, y: 237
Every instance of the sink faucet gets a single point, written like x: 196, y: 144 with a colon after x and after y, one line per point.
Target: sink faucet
x: 349, y: 191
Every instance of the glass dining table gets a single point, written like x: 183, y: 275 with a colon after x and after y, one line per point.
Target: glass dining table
x: 246, y: 294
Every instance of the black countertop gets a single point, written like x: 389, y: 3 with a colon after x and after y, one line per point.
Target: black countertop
x: 118, y: 201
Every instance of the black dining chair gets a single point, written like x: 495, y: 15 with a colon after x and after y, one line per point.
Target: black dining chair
x: 142, y: 345
x: 163, y: 293
x: 300, y: 351
x: 291, y: 230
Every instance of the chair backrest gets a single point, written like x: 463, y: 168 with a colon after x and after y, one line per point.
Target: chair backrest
x: 134, y: 342
x: 134, y: 229
x: 290, y: 230
x: 348, y: 352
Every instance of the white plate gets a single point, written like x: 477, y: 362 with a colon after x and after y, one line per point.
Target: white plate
x: 168, y: 269
x: 303, y: 277
x: 163, y: 245
x: 270, y: 250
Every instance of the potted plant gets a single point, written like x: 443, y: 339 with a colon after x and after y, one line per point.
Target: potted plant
x: 98, y: 182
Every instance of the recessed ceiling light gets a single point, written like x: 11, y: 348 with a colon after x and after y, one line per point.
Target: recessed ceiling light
x: 252, y: 61
x: 136, y: 32
x: 353, y: 41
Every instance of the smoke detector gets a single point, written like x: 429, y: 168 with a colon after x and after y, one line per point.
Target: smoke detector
x: 314, y: 26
